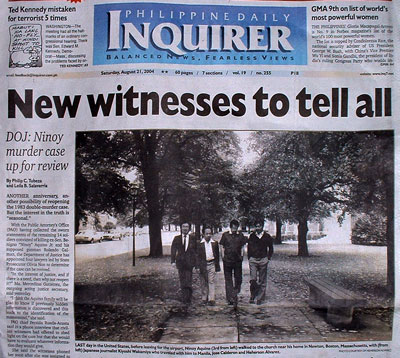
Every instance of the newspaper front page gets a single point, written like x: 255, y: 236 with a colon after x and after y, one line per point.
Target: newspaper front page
x: 201, y: 178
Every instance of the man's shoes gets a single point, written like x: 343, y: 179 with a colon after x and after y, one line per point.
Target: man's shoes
x: 211, y: 303
x: 235, y: 302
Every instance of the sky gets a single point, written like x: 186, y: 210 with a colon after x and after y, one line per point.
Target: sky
x: 248, y: 155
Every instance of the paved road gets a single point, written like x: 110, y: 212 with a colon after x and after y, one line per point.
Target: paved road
x: 99, y: 250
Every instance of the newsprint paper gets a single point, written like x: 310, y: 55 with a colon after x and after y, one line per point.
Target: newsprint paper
x: 199, y: 178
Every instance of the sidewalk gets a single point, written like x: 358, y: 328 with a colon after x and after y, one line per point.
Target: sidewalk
x: 273, y: 321
x: 118, y: 302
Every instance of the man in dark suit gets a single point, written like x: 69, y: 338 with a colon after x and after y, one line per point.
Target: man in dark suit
x: 183, y: 255
x: 208, y: 263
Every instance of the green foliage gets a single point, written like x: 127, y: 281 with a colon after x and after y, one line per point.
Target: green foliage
x: 299, y: 175
x: 372, y: 165
x: 108, y: 226
x: 99, y: 186
x: 369, y: 229
x: 307, y: 175
x: 180, y: 175
x: 199, y: 180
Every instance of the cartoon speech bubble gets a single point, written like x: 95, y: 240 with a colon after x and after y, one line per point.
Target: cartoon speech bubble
x: 25, y: 36
x: 25, y: 45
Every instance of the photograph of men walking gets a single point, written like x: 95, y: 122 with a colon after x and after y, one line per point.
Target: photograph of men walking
x: 313, y: 210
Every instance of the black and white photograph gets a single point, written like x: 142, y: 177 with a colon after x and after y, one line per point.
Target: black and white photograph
x: 200, y: 236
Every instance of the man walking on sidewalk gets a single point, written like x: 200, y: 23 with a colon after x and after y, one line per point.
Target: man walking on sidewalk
x: 208, y: 263
x: 183, y: 255
x: 232, y: 243
x: 259, y: 250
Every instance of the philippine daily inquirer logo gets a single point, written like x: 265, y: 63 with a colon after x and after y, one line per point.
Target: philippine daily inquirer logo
x: 198, y: 34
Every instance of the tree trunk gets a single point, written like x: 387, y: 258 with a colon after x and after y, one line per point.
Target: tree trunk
x: 153, y: 209
x: 151, y: 181
x: 278, y: 237
x: 302, y: 238
x: 155, y: 234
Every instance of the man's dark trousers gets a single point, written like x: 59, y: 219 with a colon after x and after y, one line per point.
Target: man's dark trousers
x: 260, y: 250
x: 232, y: 289
x: 185, y: 280
x: 233, y: 244
x: 185, y: 261
x: 258, y: 287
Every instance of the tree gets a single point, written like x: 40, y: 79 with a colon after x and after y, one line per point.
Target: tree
x: 108, y: 226
x: 259, y: 201
x: 203, y: 189
x: 303, y: 173
x: 176, y: 167
x: 315, y: 173
x: 181, y: 173
x: 97, y: 178
x: 145, y: 152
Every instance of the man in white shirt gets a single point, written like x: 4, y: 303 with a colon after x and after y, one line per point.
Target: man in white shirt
x: 208, y: 263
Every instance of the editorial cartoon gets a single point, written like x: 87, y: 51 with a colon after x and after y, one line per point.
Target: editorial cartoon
x: 25, y: 46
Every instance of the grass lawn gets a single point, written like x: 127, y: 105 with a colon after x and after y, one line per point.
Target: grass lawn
x: 117, y: 302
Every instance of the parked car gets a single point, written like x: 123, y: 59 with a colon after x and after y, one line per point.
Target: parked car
x: 112, y: 235
x: 88, y: 236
